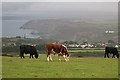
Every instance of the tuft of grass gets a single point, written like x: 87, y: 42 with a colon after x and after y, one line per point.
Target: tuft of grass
x: 15, y: 67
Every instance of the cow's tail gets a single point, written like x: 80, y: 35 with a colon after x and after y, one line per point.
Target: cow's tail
x: 21, y: 52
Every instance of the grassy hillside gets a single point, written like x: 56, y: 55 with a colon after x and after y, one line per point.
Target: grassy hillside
x: 14, y: 67
x: 73, y: 29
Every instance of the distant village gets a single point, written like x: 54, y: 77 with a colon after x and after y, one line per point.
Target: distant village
x: 18, y: 40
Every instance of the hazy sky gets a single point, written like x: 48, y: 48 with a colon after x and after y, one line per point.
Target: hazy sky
x: 15, y: 14
x: 38, y: 10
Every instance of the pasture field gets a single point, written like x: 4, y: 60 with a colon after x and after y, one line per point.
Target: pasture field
x: 83, y: 67
x: 90, y: 50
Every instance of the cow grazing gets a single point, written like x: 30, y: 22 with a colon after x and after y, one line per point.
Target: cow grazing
x: 111, y: 50
x: 60, y: 49
x: 27, y: 49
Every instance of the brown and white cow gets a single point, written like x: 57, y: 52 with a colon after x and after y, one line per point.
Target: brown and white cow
x: 60, y: 49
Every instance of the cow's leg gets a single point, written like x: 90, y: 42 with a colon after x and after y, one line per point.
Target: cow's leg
x: 67, y: 58
x: 31, y: 56
x: 108, y: 55
x: 113, y: 55
x: 48, y: 56
x: 105, y: 55
x: 59, y: 55
x: 22, y: 55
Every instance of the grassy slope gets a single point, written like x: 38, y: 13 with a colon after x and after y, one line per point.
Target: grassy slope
x: 14, y: 67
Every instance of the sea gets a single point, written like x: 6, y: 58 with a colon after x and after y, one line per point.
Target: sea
x: 11, y: 28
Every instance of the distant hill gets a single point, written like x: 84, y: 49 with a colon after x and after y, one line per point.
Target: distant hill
x: 74, y: 29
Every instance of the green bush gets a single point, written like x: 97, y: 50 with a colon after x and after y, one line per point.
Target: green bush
x: 9, y: 49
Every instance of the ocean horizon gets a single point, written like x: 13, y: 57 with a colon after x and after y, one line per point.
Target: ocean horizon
x: 11, y: 28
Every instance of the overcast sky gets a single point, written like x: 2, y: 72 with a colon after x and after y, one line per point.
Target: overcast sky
x: 15, y: 14
x: 39, y: 10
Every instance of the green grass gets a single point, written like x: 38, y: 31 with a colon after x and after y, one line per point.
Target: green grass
x: 91, y: 50
x: 14, y: 67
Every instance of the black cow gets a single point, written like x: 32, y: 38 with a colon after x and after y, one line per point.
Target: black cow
x: 27, y: 49
x: 111, y: 50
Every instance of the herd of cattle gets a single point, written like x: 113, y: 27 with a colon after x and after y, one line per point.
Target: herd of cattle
x: 61, y: 50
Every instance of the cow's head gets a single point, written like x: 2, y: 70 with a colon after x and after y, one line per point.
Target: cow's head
x: 67, y: 56
x: 117, y: 55
x: 65, y: 51
x: 36, y: 55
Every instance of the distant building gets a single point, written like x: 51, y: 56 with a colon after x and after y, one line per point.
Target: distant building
x: 73, y: 45
x: 116, y: 46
